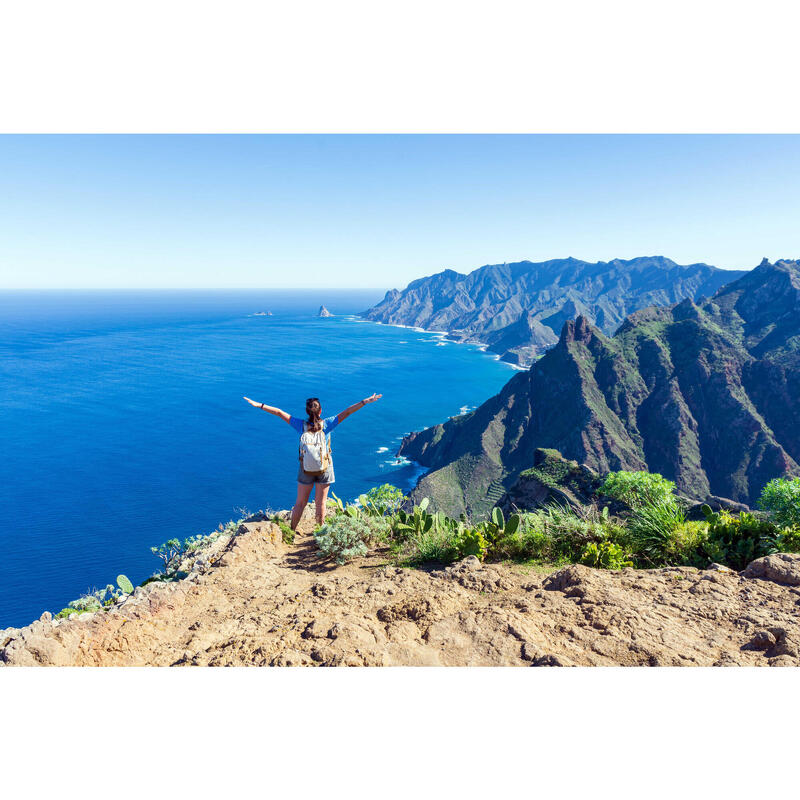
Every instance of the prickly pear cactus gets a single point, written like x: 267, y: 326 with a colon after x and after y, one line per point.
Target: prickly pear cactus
x: 124, y: 583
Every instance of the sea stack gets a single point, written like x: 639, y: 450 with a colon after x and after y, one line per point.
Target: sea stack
x: 323, y: 312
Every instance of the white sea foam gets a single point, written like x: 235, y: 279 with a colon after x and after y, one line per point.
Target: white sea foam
x: 382, y: 450
x: 441, y: 344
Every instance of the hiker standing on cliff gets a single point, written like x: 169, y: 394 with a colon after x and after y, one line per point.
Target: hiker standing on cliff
x: 316, y: 464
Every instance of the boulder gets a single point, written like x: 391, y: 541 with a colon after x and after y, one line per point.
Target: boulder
x: 781, y: 568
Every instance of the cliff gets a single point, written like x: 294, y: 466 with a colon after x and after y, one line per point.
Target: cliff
x: 518, y: 309
x: 704, y: 394
x: 262, y: 602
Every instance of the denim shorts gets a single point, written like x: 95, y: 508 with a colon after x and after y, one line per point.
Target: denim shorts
x: 309, y: 479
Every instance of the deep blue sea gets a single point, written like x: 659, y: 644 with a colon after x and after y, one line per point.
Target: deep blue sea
x: 122, y: 422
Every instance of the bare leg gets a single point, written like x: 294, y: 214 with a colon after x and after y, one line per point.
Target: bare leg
x: 303, y: 493
x: 320, y: 498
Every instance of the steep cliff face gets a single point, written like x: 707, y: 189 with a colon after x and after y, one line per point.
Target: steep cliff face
x: 706, y: 395
x: 518, y: 309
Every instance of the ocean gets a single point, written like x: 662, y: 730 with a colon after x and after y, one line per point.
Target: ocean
x: 122, y: 421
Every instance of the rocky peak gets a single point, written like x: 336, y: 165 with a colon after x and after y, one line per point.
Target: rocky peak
x: 577, y: 330
x: 323, y: 312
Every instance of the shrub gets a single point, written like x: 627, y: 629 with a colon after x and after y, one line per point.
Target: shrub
x: 684, y: 545
x: 788, y: 540
x: 638, y: 489
x: 385, y: 499
x: 344, y: 538
x: 605, y: 555
x: 124, y: 584
x: 416, y: 522
x: 470, y: 542
x: 736, y: 541
x: 171, y: 553
x: 95, y: 600
x: 652, y: 527
x: 559, y: 534
x: 434, y: 544
x: 781, y: 498
x: 496, y: 529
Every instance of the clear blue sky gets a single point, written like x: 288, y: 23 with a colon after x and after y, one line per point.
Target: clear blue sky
x: 379, y: 211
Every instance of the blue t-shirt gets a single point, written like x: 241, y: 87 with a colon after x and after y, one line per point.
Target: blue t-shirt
x: 328, y: 424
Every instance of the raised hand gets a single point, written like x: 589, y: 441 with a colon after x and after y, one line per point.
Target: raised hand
x: 372, y: 398
x: 253, y: 402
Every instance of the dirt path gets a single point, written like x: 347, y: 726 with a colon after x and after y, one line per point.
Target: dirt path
x: 265, y: 603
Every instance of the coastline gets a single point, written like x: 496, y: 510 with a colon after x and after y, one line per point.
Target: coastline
x: 481, y: 346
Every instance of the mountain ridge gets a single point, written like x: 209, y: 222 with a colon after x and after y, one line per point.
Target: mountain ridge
x: 517, y: 309
x: 704, y: 394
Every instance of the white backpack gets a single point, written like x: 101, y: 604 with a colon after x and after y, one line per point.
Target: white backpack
x: 315, y: 452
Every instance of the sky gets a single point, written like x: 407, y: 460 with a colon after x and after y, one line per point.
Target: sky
x: 378, y: 211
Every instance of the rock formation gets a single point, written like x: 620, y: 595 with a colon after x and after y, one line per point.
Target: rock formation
x: 323, y: 312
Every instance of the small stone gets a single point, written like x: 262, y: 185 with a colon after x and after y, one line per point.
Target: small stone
x: 719, y: 568
x: 530, y: 652
x: 763, y: 640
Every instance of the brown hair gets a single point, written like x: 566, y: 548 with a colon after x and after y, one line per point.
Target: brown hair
x: 314, y: 411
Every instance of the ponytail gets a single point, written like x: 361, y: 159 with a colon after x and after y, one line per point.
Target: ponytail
x: 314, y: 411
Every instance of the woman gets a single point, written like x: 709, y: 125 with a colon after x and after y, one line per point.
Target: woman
x: 314, y: 423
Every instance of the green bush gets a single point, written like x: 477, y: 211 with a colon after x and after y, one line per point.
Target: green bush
x: 385, y: 499
x: 781, y: 498
x: 605, y: 555
x: 788, y: 540
x: 559, y: 534
x: 638, y: 489
x: 470, y: 542
x: 439, y: 544
x: 496, y: 529
x: 414, y: 523
x: 736, y: 541
x: 652, y: 527
x: 684, y: 545
x: 344, y: 537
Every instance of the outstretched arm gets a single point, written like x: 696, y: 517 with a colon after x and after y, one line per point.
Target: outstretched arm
x: 360, y: 404
x: 269, y: 409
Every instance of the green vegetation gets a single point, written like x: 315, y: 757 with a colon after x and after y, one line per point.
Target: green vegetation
x: 346, y: 537
x: 287, y: 534
x: 652, y: 532
x: 736, y: 540
x: 781, y: 499
x: 638, y: 489
x: 605, y: 555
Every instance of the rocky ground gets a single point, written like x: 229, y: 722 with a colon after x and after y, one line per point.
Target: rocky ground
x: 265, y: 603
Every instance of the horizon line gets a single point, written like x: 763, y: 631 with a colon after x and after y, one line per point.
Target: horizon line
x: 188, y: 288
